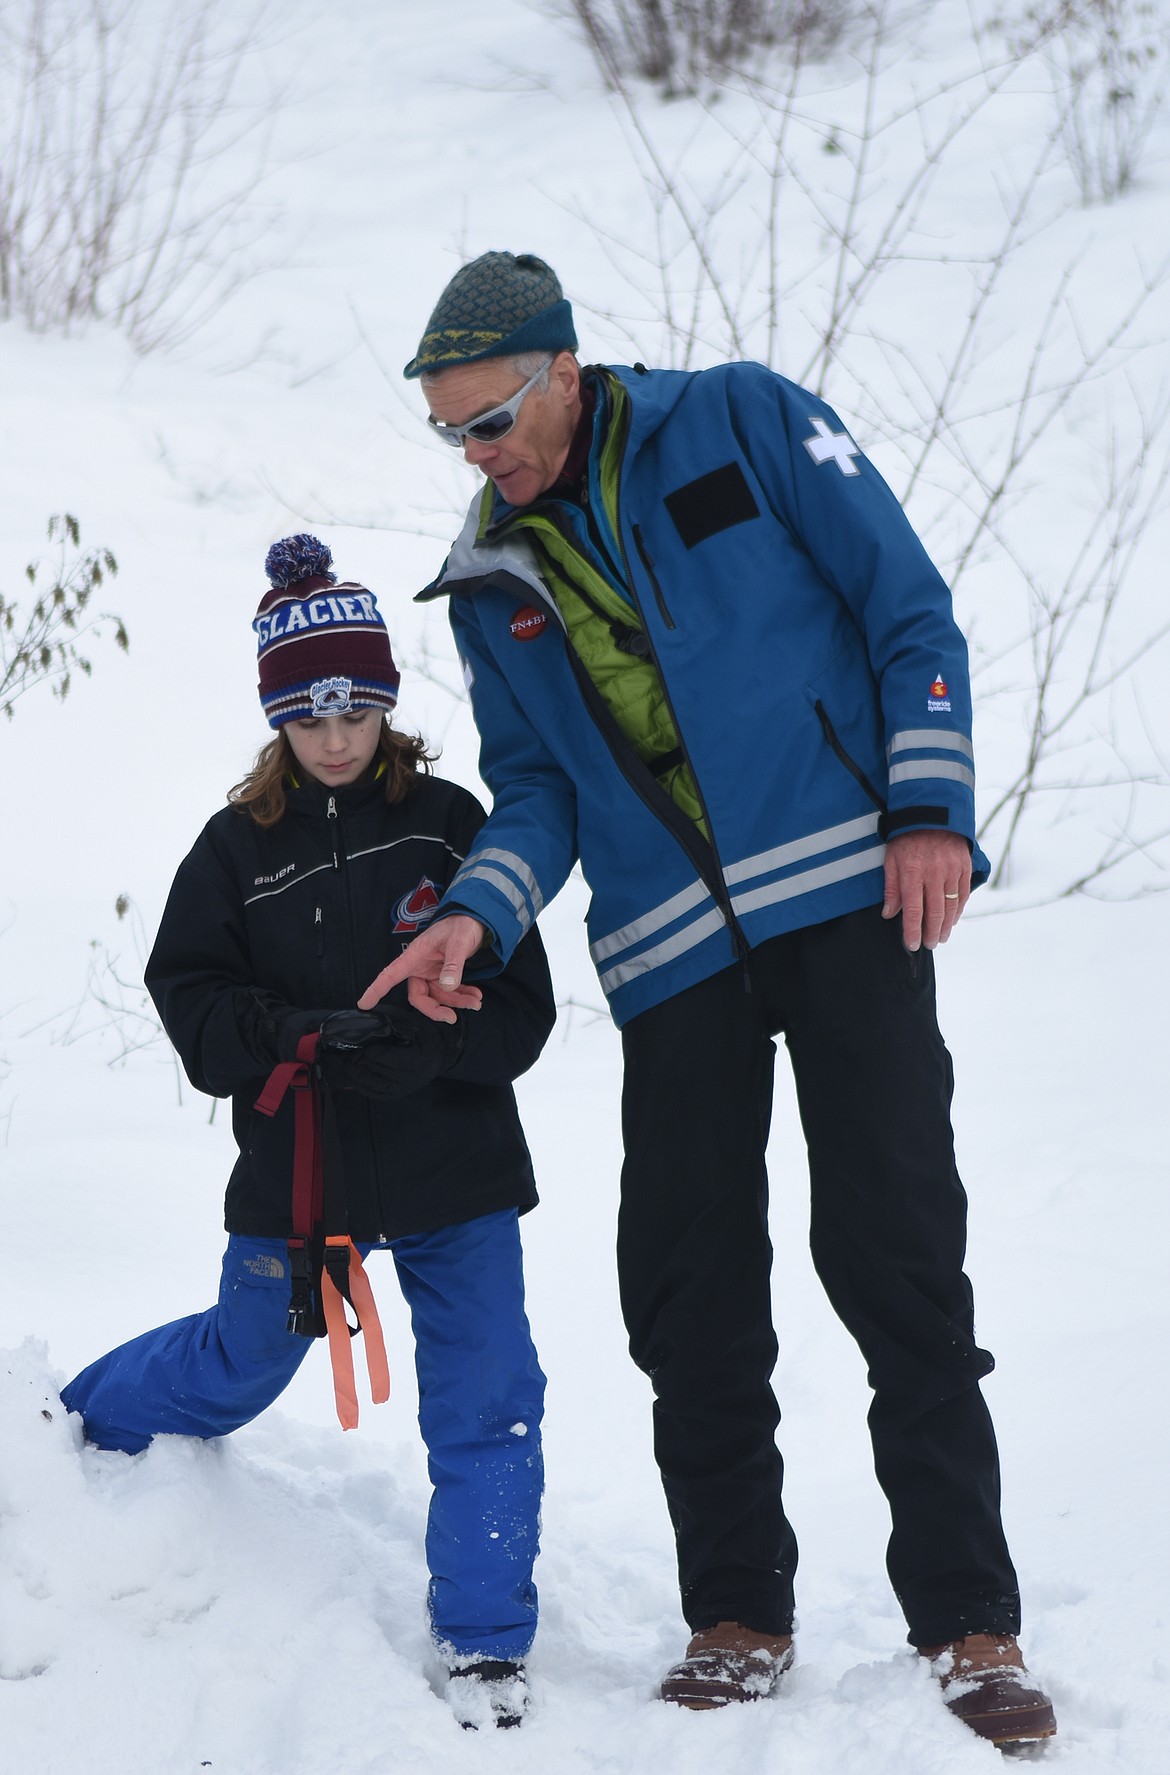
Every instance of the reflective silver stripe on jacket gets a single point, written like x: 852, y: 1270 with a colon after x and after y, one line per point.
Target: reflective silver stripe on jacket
x: 929, y: 739
x: 691, y: 897
x: 831, y: 839
x: 931, y: 767
x: 809, y: 880
x: 490, y: 865
x: 763, y: 863
x: 497, y: 879
x: 788, y: 887
x: 518, y: 867
x: 665, y: 951
x: 292, y: 881
x: 372, y: 850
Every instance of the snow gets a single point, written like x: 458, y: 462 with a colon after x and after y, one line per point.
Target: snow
x: 258, y: 1604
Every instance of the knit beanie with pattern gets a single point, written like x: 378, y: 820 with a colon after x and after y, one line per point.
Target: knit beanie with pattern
x: 323, y: 647
x: 499, y: 305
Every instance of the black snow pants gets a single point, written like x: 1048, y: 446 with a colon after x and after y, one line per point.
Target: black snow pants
x: 888, y: 1237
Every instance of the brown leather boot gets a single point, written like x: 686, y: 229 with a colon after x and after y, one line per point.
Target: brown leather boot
x: 728, y: 1663
x: 986, y: 1685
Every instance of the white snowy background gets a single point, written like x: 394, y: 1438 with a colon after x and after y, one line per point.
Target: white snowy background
x: 257, y: 1605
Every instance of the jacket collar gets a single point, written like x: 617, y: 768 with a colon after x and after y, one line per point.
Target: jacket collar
x: 308, y: 797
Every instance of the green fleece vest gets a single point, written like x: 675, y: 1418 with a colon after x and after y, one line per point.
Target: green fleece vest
x: 630, y: 687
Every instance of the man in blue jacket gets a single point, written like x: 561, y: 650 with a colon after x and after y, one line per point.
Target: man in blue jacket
x: 708, y: 656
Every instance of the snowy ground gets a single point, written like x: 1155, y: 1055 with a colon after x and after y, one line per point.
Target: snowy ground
x: 256, y: 1606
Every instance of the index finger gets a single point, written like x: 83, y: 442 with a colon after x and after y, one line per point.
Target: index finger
x: 381, y: 984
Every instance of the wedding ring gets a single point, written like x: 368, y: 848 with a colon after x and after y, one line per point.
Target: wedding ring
x: 950, y: 896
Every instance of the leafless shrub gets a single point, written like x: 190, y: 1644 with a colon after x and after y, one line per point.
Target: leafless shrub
x: 987, y: 378
x: 115, y: 121
x: 683, y: 44
x: 1075, y: 662
x: 42, y: 646
x: 115, y: 1006
x: 1110, y: 62
x: 1113, y: 59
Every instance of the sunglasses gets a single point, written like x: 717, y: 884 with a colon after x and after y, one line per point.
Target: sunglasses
x: 490, y: 427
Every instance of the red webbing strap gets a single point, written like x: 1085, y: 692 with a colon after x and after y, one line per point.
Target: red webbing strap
x: 308, y: 1191
x: 308, y: 1162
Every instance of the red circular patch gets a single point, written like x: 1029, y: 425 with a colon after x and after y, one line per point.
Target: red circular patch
x: 528, y: 623
x: 938, y: 688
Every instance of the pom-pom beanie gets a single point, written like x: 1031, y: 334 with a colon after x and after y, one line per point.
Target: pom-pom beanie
x: 322, y: 646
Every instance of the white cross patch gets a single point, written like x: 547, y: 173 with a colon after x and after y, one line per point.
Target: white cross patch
x: 832, y: 446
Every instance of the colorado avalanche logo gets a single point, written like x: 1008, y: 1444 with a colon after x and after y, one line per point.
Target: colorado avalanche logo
x: 331, y: 696
x: 417, y: 907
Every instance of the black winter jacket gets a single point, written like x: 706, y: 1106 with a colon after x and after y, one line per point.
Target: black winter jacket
x: 309, y: 911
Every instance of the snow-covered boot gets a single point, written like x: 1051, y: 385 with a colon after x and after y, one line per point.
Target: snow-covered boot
x: 488, y: 1692
x: 726, y: 1663
x: 985, y: 1684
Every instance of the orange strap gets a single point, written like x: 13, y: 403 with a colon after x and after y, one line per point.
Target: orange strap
x: 338, y: 1332
x: 362, y: 1296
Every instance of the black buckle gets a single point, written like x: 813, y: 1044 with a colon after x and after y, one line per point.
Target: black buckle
x: 302, y: 1319
x: 337, y: 1263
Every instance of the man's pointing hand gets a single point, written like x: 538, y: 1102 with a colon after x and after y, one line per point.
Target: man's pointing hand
x: 433, y: 967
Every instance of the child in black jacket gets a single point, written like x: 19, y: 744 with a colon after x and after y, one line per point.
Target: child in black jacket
x: 332, y: 854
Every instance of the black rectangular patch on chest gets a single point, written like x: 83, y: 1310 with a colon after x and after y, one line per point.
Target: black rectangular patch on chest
x: 712, y: 503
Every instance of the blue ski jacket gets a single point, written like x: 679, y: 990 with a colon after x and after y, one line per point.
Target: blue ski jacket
x: 813, y: 668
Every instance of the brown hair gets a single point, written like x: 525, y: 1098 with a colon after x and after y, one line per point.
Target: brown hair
x: 403, y: 757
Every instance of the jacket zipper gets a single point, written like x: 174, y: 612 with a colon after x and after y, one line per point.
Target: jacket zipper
x: 715, y: 881
x: 648, y: 564
x: 839, y: 752
x: 594, y: 528
x: 638, y: 642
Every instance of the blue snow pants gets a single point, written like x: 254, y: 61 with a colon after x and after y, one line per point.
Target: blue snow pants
x: 481, y: 1399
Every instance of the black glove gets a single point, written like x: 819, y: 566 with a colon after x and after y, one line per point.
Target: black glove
x: 386, y: 1053
x: 270, y: 1028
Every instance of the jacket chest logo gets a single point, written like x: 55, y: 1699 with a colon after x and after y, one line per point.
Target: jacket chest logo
x: 278, y: 875
x: 418, y: 906
x: 528, y: 623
